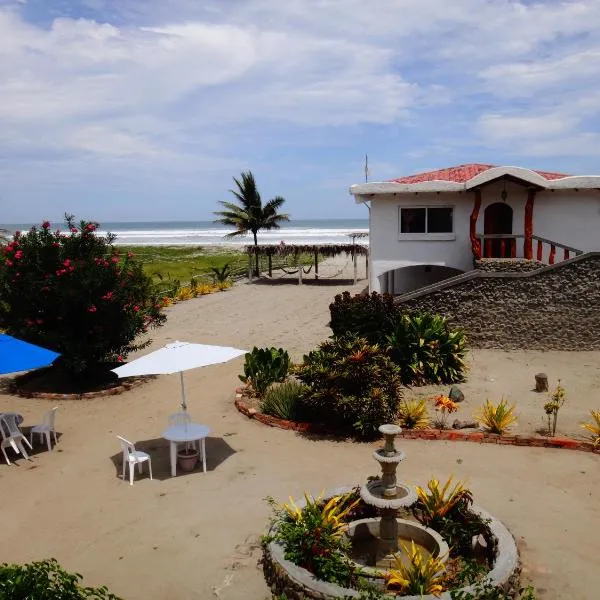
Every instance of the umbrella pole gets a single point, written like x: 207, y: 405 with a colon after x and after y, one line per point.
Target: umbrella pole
x: 183, y: 402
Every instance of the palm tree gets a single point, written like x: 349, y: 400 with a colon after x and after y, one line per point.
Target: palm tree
x: 250, y: 214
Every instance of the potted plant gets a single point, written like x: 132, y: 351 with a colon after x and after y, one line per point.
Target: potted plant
x: 187, y: 459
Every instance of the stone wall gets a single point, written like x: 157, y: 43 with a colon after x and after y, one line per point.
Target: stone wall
x: 550, y: 308
x: 508, y: 265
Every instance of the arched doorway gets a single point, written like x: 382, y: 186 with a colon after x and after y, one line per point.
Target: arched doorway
x: 498, y: 220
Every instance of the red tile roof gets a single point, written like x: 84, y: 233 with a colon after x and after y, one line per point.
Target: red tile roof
x: 462, y: 174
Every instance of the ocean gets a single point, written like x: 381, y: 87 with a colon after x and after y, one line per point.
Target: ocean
x: 207, y: 233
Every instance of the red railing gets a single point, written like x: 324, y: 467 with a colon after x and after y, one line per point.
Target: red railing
x: 501, y: 245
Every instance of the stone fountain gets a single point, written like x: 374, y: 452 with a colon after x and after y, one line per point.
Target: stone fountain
x: 376, y: 542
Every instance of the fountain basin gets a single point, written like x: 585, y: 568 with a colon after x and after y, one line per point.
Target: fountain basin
x: 369, y: 553
x: 373, y: 495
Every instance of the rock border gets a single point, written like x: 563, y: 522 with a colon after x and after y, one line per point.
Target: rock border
x: 284, y: 577
x: 113, y: 391
x: 481, y: 437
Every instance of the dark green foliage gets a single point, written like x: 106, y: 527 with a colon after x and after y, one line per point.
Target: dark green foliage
x: 427, y: 349
x: 46, y: 580
x: 458, y: 526
x: 74, y: 293
x: 314, y: 544
x: 221, y: 275
x: 370, y: 316
x: 486, y: 591
x: 264, y: 366
x: 353, y: 386
x: 282, y: 400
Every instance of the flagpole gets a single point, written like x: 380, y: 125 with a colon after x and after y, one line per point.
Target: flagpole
x: 366, y: 168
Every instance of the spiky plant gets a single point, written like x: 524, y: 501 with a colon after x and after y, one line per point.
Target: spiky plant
x: 413, y: 414
x: 496, y: 418
x: 593, y: 426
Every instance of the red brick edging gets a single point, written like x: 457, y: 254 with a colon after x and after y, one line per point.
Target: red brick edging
x: 119, y: 389
x: 481, y: 437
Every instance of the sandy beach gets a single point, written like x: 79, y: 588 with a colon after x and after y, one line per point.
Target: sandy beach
x: 196, y: 536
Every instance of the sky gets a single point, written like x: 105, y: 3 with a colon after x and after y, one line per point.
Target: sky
x: 142, y: 110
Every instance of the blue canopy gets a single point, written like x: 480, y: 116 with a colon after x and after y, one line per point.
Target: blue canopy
x: 16, y: 355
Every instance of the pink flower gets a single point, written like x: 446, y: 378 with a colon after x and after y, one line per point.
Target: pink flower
x: 136, y: 308
x: 92, y: 309
x: 67, y: 263
x: 55, y: 244
x: 120, y: 358
x: 115, y: 259
x: 9, y: 262
x: 130, y: 255
x: 46, y: 225
x: 19, y: 254
x: 73, y: 229
x: 107, y: 296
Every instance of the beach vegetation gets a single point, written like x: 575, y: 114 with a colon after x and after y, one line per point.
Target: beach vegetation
x: 593, y: 426
x: 370, y: 316
x: 551, y: 408
x: 312, y: 536
x: 282, y: 400
x: 427, y: 349
x: 264, y: 366
x: 421, y: 574
x: 496, y: 418
x: 444, y: 406
x: 250, y: 215
x: 353, y: 386
x: 46, y: 580
x: 221, y: 274
x: 77, y: 294
x: 413, y: 414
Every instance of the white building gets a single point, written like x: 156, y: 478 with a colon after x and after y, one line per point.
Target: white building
x: 430, y: 226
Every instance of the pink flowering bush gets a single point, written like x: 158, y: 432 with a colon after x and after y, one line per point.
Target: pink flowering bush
x: 74, y: 293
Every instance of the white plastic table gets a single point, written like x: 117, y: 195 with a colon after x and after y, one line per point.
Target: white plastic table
x: 188, y: 432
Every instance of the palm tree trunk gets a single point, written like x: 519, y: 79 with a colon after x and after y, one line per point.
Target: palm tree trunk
x: 255, y: 254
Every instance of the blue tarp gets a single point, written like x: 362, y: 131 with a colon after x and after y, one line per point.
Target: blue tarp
x: 16, y: 355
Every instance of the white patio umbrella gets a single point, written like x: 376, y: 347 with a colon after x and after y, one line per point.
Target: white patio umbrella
x: 177, y: 358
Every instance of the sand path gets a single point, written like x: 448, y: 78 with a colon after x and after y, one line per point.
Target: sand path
x: 196, y: 536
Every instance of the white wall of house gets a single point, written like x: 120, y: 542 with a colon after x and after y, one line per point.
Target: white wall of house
x: 571, y: 218
x: 567, y: 217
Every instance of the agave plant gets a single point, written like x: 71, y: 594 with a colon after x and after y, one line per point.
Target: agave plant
x: 593, y: 426
x: 427, y: 349
x: 422, y: 575
x: 221, y: 275
x: 281, y: 400
x: 439, y: 501
x: 413, y: 414
x: 496, y: 418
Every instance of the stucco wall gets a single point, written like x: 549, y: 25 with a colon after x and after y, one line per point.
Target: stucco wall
x: 568, y: 217
x: 552, y: 308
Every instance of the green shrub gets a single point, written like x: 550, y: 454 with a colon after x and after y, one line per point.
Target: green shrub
x: 75, y: 294
x: 264, y: 366
x: 369, y: 316
x: 352, y: 385
x: 427, y: 349
x: 281, y: 400
x: 46, y: 580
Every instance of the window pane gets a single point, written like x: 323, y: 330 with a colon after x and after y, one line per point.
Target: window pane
x: 412, y: 220
x: 439, y: 220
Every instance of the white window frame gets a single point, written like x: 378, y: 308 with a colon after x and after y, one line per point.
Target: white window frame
x: 440, y: 237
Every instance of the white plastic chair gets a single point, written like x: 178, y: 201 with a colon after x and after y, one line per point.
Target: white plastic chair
x: 45, y: 428
x: 12, y: 436
x: 133, y: 457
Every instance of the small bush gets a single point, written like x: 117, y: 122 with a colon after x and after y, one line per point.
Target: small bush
x: 593, y: 426
x: 282, y: 400
x: 46, y: 580
x: 422, y: 575
x: 369, y: 316
x: 352, y: 385
x: 496, y: 418
x: 413, y: 414
x: 264, y: 366
x: 427, y: 349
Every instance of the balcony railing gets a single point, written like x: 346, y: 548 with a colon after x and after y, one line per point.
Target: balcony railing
x: 504, y: 245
